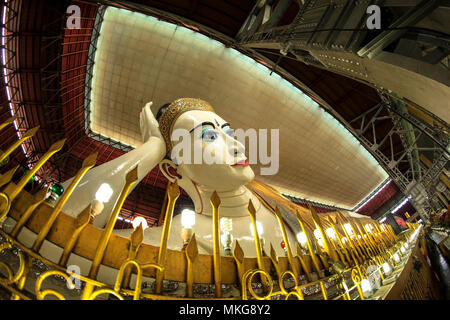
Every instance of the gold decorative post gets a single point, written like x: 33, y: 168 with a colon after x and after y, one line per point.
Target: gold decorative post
x: 326, y: 242
x: 173, y: 192
x: 363, y: 248
x: 7, y: 122
x: 57, y: 146
x: 364, y: 242
x: 215, y: 202
x: 135, y: 242
x: 5, y: 204
x: 130, y: 179
x: 381, y: 235
x: 191, y: 256
x: 338, y: 236
x: 303, y: 263
x: 88, y: 163
x: 16, y: 144
x: 309, y: 245
x: 81, y: 222
x: 286, y: 241
x: 370, y: 239
x: 238, y: 255
x: 273, y: 257
x: 6, y: 178
x: 38, y: 198
x: 350, y: 241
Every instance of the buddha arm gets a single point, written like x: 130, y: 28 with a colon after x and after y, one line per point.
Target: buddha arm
x: 146, y: 156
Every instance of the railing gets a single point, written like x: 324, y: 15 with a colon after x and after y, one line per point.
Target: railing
x: 365, y: 253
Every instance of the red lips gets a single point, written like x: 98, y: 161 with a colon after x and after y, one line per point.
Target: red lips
x: 242, y: 163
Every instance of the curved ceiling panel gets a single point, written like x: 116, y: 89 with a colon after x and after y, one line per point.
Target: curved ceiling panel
x: 141, y: 59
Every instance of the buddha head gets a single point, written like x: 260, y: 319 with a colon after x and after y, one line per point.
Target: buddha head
x: 201, y: 149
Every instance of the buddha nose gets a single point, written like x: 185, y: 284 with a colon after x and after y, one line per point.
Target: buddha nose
x: 236, y: 148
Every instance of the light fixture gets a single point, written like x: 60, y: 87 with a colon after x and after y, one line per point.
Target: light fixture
x: 283, y: 246
x: 140, y: 220
x: 317, y: 234
x: 226, y: 225
x: 344, y: 240
x: 187, y: 218
x: 402, y: 250
x: 54, y: 193
x: 348, y: 228
x: 187, y: 221
x: 58, y: 189
x: 104, y: 193
x: 301, y: 237
x: 387, y: 268
x: 396, y: 257
x: 330, y: 233
x: 406, y: 245
x: 366, y: 288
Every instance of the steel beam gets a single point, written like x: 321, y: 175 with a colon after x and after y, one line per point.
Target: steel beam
x: 398, y: 28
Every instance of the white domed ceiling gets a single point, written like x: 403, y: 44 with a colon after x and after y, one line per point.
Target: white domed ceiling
x: 141, y: 59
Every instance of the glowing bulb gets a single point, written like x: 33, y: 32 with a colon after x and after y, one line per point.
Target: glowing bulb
x: 348, y: 228
x: 396, y: 257
x: 402, y: 249
x: 406, y: 245
x: 386, y: 268
x: 317, y: 234
x: 226, y: 224
x: 366, y: 287
x: 330, y: 233
x: 187, y: 218
x: 259, y: 228
x: 104, y: 193
x: 227, y: 240
x: 301, y: 237
x: 138, y: 220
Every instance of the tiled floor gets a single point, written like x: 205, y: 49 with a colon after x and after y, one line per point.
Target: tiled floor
x: 439, y: 264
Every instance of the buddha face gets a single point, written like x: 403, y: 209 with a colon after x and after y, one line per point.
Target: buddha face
x: 206, y: 152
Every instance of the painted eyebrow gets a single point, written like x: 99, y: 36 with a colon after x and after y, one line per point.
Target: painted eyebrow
x: 225, y: 124
x: 207, y: 123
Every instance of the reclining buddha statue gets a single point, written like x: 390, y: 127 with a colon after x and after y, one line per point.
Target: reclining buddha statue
x: 232, y: 180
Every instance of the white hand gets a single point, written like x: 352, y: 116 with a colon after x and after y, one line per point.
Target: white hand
x: 149, y: 125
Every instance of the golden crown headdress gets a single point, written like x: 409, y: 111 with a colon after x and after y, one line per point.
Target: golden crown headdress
x: 176, y: 109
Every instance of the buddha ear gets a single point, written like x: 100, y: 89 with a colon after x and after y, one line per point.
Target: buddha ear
x: 169, y: 170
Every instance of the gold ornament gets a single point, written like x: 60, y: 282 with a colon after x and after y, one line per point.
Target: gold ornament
x: 176, y: 109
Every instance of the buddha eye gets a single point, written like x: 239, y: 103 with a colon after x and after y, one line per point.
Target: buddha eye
x: 209, y: 135
x: 229, y: 132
